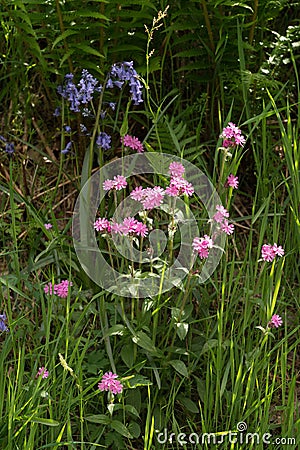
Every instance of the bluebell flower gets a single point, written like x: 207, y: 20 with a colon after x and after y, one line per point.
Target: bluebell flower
x: 57, y: 112
x: 2, y: 138
x: 68, y: 129
x: 69, y: 76
x: 70, y: 93
x: 67, y: 148
x: 3, y: 326
x: 83, y: 129
x: 104, y: 140
x: 119, y: 84
x: 80, y: 94
x: 136, y: 91
x: 122, y: 72
x: 87, y: 86
x: 9, y: 148
x: 110, y: 83
x: 112, y: 105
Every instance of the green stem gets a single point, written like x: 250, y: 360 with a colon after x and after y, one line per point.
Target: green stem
x: 104, y: 328
x: 62, y: 30
x: 208, y: 26
x: 13, y: 219
x: 185, y: 297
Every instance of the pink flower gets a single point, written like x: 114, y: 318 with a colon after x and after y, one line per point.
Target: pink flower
x: 141, y: 229
x: 222, y: 210
x: 149, y: 197
x: 128, y: 225
x: 232, y: 136
x: 48, y: 289
x: 42, y: 372
x: 102, y: 225
x: 47, y: 226
x: 132, y: 142
x: 226, y: 227
x: 275, y: 322
x: 227, y: 143
x: 278, y: 250
x: 239, y: 139
x: 176, y: 169
x: 116, y: 228
x: 137, y: 193
x: 109, y: 383
x: 221, y: 218
x: 232, y: 181
x: 202, y: 245
x: 220, y: 214
x: 119, y: 182
x: 108, y: 185
x: 188, y: 189
x: 179, y: 186
x: 234, y: 129
x: 172, y: 191
x: 62, y: 288
x: 268, y: 252
x: 153, y: 197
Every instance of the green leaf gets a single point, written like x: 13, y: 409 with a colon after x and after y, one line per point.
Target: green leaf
x: 98, y: 418
x: 88, y: 49
x: 121, y: 429
x: 211, y: 343
x: 189, y: 404
x: 63, y: 36
x: 182, y: 330
x: 142, y: 340
x: 135, y: 429
x: 179, y: 366
x: 137, y: 380
x: 127, y: 355
x: 89, y: 13
x: 131, y: 409
x: 49, y: 422
x: 117, y: 329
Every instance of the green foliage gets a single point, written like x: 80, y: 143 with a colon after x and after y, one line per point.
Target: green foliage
x: 199, y: 358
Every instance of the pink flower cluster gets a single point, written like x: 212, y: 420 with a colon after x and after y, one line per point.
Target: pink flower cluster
x: 178, y: 185
x: 149, y: 197
x: 48, y: 226
x: 153, y: 197
x: 232, y: 181
x: 176, y: 169
x: 275, y: 322
x: 232, y: 136
x: 129, y: 226
x: 61, y: 289
x: 119, y: 182
x: 132, y: 142
x: 202, y: 246
x: 102, y: 225
x: 110, y: 383
x: 268, y: 252
x: 43, y: 372
x: 221, y: 218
